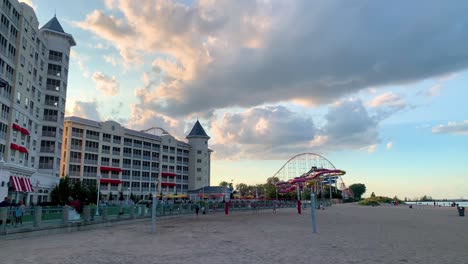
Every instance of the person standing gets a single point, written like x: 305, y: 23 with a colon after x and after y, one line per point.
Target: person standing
x: 19, y: 212
x: 5, y: 202
x: 197, y: 210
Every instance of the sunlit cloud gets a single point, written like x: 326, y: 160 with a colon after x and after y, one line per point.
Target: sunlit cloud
x: 106, y: 84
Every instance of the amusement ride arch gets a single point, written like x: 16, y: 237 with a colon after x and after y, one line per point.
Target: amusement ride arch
x: 311, y: 169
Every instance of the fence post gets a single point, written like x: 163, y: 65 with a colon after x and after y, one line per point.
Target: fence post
x: 37, y: 216
x: 65, y: 214
x: 132, y: 211
x: 3, y: 216
x: 86, y: 214
x: 104, y: 213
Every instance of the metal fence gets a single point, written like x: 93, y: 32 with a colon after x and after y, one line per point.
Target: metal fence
x: 60, y: 216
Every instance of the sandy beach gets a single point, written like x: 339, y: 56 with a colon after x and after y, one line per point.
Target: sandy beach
x: 346, y: 234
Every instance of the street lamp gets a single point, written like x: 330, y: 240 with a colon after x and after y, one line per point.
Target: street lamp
x: 128, y: 195
x: 153, y: 211
x: 98, y: 180
x: 37, y: 188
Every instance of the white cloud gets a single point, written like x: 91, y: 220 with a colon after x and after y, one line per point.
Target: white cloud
x: 107, y: 85
x: 110, y: 59
x: 84, y: 109
x: 452, y: 128
x: 389, y: 145
x: 30, y: 3
x: 81, y: 60
x: 387, y: 99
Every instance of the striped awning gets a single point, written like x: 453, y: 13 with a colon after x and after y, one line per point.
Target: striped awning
x: 20, y: 184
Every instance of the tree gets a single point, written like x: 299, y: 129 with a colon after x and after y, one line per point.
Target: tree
x: 372, y: 195
x: 224, y: 184
x: 243, y: 188
x: 358, y: 190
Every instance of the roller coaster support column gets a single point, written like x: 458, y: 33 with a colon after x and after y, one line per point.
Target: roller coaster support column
x: 331, y: 197
x: 312, y: 210
x: 226, y: 208
x: 299, y: 208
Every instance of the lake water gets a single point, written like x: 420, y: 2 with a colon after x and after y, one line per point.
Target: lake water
x: 464, y: 204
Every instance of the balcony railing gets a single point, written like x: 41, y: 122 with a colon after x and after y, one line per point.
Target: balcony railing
x: 116, y: 153
x: 90, y: 149
x: 92, y: 162
x: 54, y: 73
x: 93, y: 137
x: 76, y: 147
x: 127, y: 166
x: 50, y: 118
x: 75, y: 160
x: 55, y: 58
x: 47, y: 149
x: 76, y: 134
x: 46, y: 166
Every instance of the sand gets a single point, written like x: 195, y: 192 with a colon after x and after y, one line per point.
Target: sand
x: 346, y: 234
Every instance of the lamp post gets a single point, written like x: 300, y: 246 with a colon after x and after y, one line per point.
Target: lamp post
x: 36, y: 191
x: 98, y: 180
x: 128, y: 195
x: 153, y: 211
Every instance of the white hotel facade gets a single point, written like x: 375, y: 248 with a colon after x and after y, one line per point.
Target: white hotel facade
x: 134, y: 162
x: 33, y: 86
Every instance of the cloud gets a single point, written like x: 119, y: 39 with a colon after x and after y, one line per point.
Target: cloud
x: 147, y: 119
x: 110, y: 59
x: 275, y: 132
x: 107, y: 85
x: 278, y: 51
x: 389, y: 145
x: 81, y: 60
x: 30, y: 3
x: 349, y: 126
x: 452, y: 128
x: 88, y: 110
x: 387, y: 99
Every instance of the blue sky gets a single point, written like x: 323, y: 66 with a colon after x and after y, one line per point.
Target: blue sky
x: 378, y: 88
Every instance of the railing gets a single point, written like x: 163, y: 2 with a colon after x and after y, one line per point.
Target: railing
x: 93, y: 137
x: 51, y: 118
x: 90, y: 149
x: 91, y: 162
x: 47, y: 149
x: 116, y: 153
x: 76, y: 134
x: 39, y: 218
x: 74, y: 160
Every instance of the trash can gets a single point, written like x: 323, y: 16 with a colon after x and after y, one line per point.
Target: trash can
x: 461, y: 211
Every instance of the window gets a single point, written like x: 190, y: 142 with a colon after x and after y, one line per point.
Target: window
x: 199, y: 161
x: 199, y: 169
x: 199, y: 152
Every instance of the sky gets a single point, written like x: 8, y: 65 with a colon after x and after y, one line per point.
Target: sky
x: 377, y: 87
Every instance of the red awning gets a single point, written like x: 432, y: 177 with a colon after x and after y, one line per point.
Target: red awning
x: 170, y: 184
x: 114, y: 181
x: 20, y: 184
x: 102, y: 168
x: 169, y: 174
x: 14, y: 146
x: 24, y: 131
x: 16, y: 127
x: 22, y: 149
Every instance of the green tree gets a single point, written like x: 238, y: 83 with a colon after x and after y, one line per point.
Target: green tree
x: 372, y: 195
x: 243, y: 188
x: 426, y: 198
x: 358, y: 190
x: 224, y: 184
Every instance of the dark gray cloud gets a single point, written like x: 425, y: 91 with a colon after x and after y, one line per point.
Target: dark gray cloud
x: 322, y: 50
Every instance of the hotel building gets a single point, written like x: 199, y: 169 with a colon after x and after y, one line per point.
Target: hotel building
x: 134, y: 162
x: 33, y: 85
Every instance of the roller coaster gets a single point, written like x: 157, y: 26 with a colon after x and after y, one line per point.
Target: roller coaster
x: 310, y: 170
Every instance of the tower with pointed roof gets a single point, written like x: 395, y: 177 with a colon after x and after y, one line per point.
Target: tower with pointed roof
x: 33, y: 85
x: 200, y: 158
